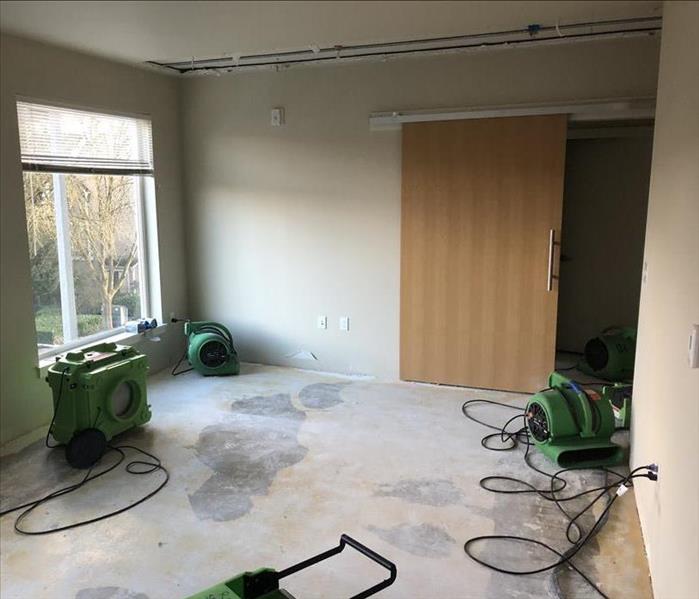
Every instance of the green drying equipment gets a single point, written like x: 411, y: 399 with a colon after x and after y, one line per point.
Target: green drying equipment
x: 210, y: 348
x: 611, y: 355
x: 619, y: 395
x: 98, y: 392
x: 573, y: 426
x: 264, y: 583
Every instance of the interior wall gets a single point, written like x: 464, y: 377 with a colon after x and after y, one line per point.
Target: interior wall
x: 45, y: 72
x: 289, y: 223
x: 665, y: 411
x: 604, y: 218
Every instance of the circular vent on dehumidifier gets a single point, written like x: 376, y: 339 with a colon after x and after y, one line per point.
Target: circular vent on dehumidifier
x: 213, y: 354
x: 596, y: 354
x: 537, y: 422
x: 122, y: 400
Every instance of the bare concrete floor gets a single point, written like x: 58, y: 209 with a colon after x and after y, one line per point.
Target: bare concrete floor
x: 270, y: 467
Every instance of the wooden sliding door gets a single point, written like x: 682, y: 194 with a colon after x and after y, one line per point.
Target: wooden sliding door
x: 481, y: 218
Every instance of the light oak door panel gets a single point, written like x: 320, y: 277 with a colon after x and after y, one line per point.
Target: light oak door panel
x: 479, y: 199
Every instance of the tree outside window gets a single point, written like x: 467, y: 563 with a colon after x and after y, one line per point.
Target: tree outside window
x: 104, y: 243
x: 85, y: 175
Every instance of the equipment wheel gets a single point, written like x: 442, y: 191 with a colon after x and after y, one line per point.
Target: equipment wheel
x: 86, y: 448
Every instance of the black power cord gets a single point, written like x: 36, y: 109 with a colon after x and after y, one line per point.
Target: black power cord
x: 55, y: 411
x: 136, y: 467
x: 512, y: 439
x: 174, y: 371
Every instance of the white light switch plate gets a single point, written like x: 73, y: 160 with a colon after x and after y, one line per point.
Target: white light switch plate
x: 344, y: 323
x: 322, y: 322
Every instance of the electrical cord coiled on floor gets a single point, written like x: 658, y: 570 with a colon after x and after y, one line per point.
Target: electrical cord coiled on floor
x: 511, y: 440
x: 136, y: 467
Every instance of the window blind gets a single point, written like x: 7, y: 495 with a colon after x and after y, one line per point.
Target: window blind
x: 56, y: 139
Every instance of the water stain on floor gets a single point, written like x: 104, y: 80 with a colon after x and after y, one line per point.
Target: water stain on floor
x: 270, y: 406
x: 246, y: 454
x: 425, y: 491
x: 109, y: 593
x: 423, y: 540
x: 321, y: 396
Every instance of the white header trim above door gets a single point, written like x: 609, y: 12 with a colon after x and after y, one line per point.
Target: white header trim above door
x: 591, y: 111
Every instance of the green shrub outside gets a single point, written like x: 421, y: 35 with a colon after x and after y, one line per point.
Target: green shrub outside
x: 48, y: 320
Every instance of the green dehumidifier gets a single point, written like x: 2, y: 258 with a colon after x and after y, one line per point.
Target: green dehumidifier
x: 573, y: 426
x: 98, y: 393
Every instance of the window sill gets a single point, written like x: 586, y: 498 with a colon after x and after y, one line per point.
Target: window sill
x: 123, y: 338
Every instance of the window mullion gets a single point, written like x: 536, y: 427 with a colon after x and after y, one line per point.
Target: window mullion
x: 143, y: 278
x: 65, y: 260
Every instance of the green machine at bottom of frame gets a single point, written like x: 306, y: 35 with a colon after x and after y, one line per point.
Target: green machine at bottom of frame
x: 264, y: 583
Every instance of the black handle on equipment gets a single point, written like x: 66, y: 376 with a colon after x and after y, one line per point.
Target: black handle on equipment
x: 364, y: 550
x: 379, y: 559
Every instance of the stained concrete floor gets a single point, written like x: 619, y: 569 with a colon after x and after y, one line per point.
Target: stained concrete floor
x: 270, y: 467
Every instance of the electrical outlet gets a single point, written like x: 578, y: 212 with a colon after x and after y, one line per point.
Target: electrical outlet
x: 277, y: 117
x: 322, y: 322
x: 654, y: 470
x: 344, y: 323
x: 693, y: 357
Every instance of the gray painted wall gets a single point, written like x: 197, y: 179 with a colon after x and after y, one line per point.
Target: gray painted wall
x: 45, y: 72
x: 604, y: 220
x: 303, y: 220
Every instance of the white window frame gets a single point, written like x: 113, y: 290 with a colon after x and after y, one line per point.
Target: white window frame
x: 143, y: 193
x: 148, y: 260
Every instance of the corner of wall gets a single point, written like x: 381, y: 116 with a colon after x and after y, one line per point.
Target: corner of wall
x: 666, y: 391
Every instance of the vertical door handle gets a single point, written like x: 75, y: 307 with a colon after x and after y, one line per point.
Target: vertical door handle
x: 549, y: 273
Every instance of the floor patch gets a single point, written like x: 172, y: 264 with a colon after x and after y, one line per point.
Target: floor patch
x: 321, y: 396
x: 271, y: 406
x: 423, y: 540
x: 426, y: 491
x: 109, y: 593
x: 246, y: 455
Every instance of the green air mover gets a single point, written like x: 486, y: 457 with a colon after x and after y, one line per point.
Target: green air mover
x: 264, y: 583
x: 210, y: 348
x: 98, y: 392
x: 573, y: 426
x: 611, y: 355
x: 619, y: 395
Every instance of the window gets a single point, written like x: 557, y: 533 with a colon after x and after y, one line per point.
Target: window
x: 87, y: 179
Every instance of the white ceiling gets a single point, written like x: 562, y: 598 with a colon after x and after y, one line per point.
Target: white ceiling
x: 167, y: 31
